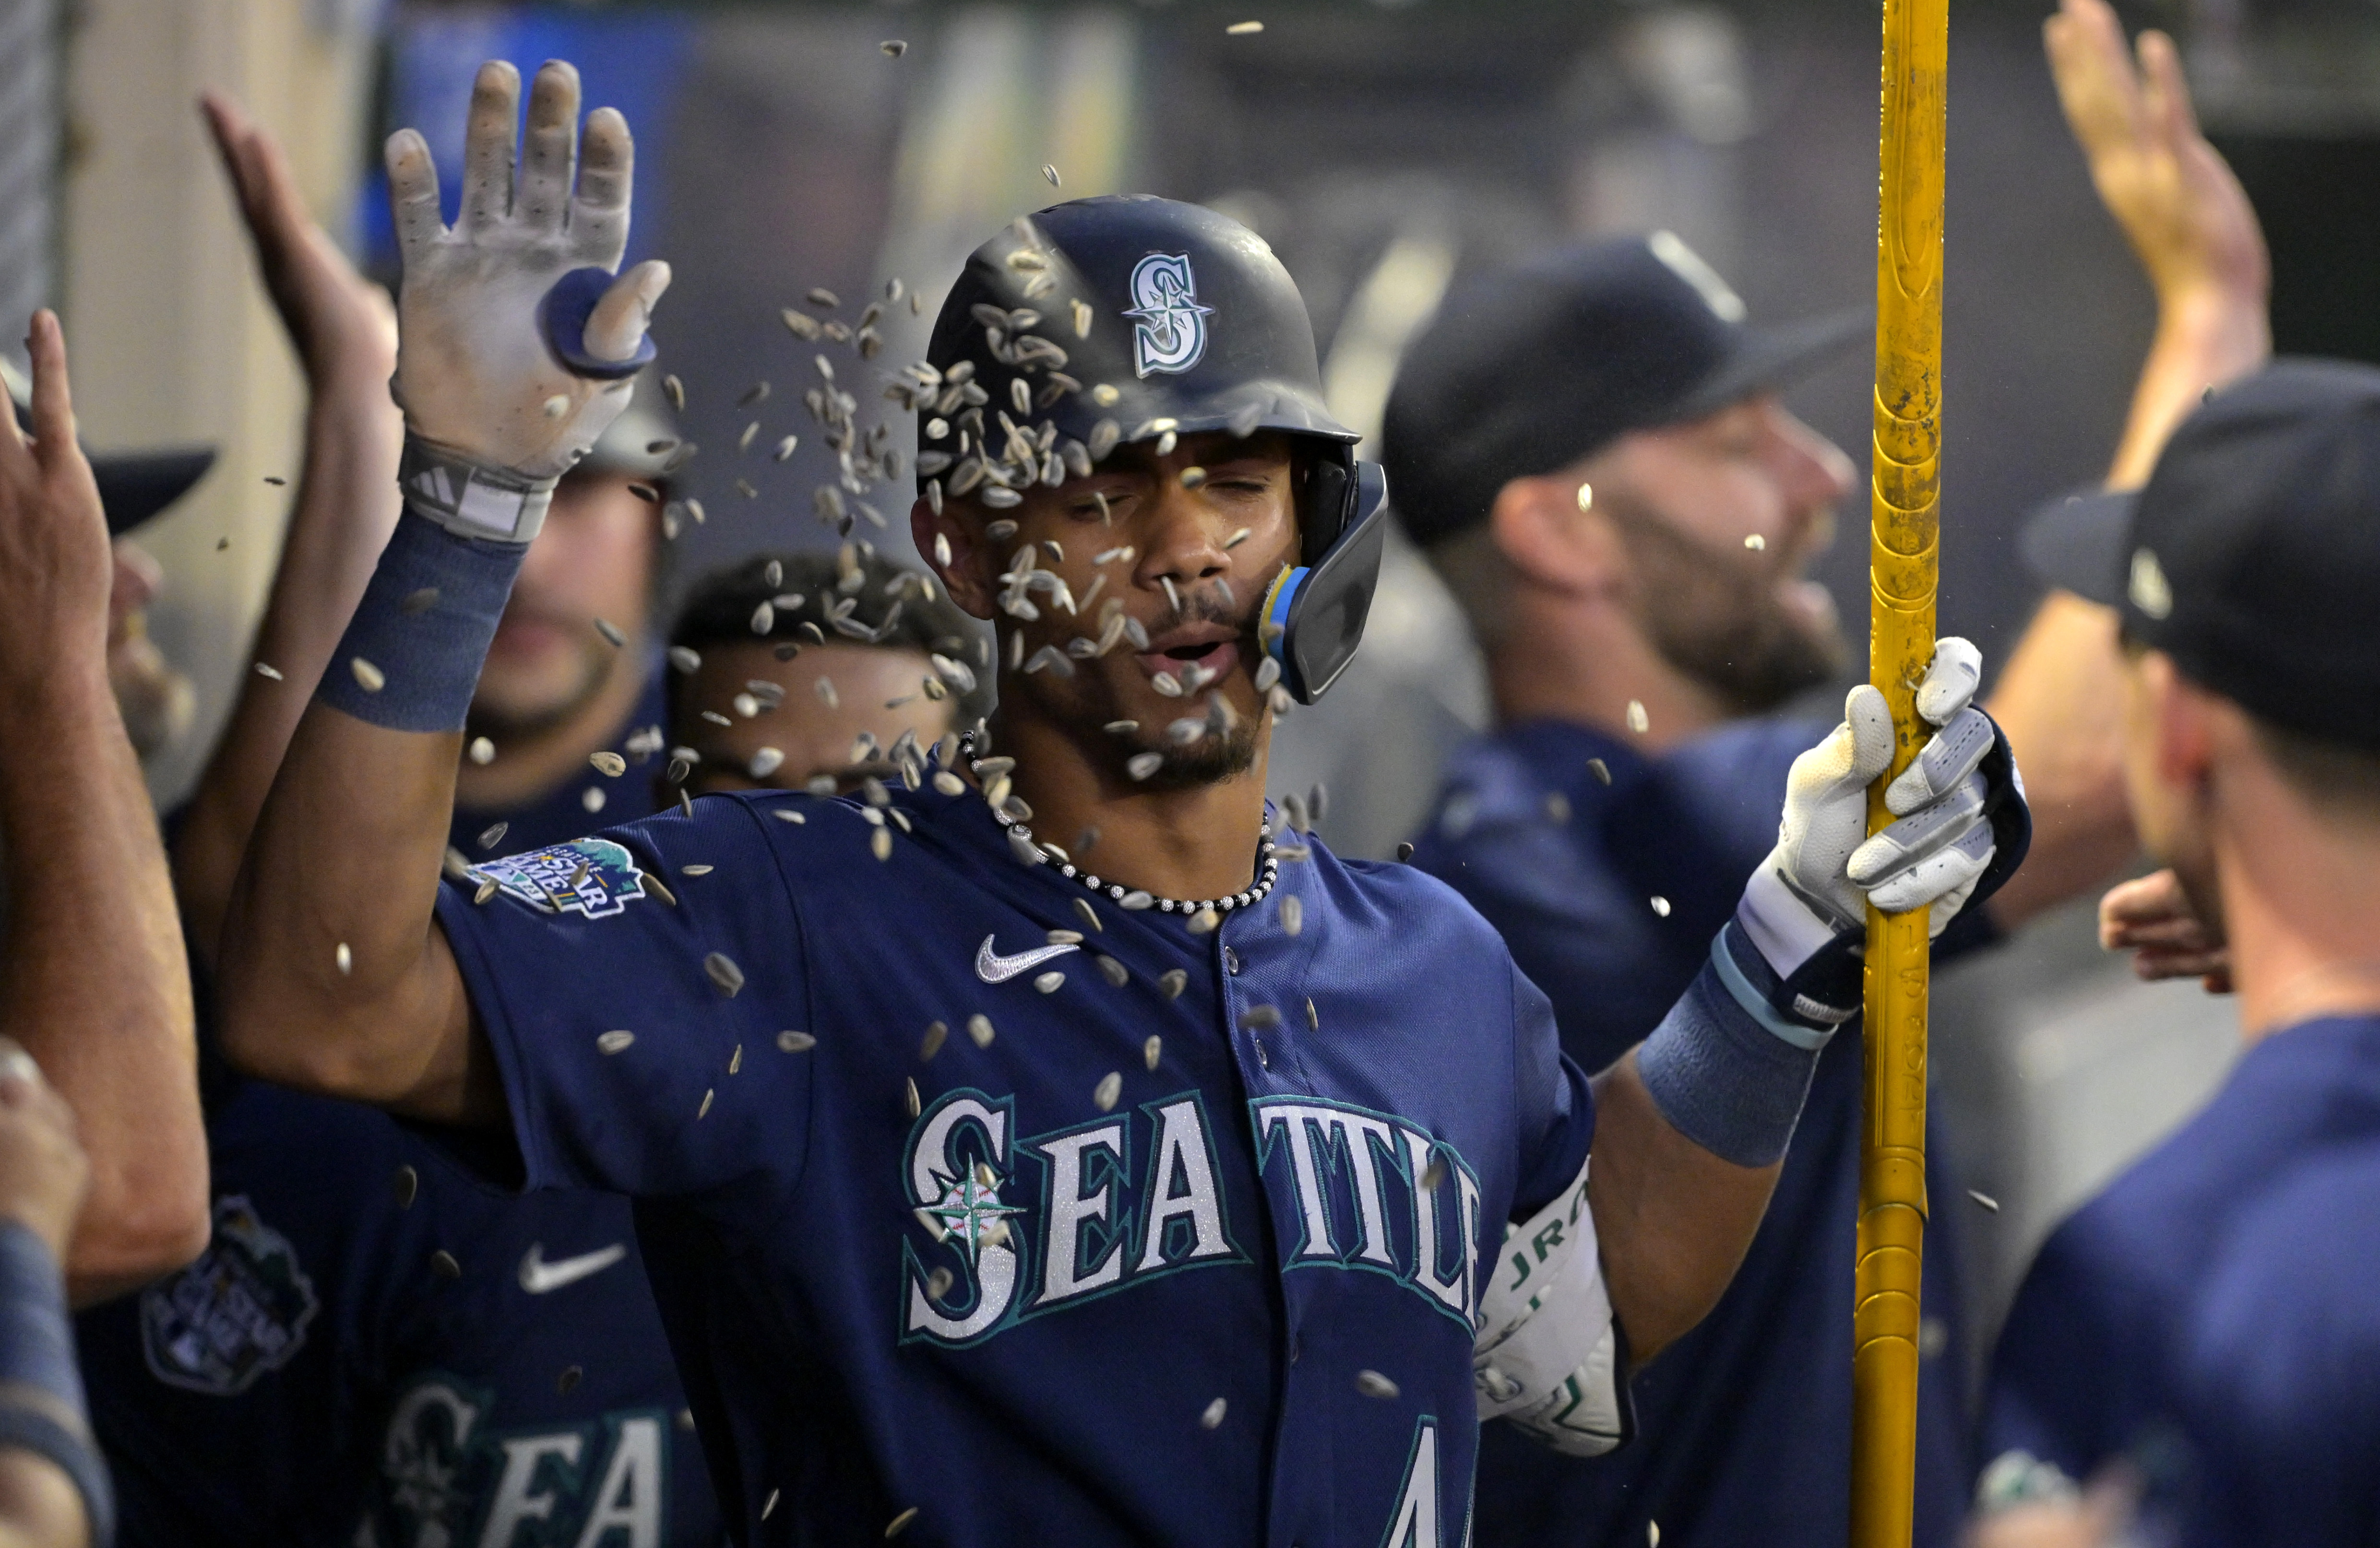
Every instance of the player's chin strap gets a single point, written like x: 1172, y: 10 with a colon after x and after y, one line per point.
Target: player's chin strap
x: 1549, y: 1356
x: 1314, y: 615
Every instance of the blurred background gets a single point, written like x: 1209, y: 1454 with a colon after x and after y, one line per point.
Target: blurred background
x: 1384, y: 147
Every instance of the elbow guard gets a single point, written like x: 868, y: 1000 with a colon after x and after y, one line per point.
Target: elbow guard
x: 1548, y: 1355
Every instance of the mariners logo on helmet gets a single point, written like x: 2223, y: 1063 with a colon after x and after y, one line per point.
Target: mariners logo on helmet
x: 1172, y: 333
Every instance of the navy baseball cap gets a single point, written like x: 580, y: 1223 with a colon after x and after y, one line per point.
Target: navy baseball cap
x: 1532, y: 369
x: 2251, y: 556
x: 133, y: 486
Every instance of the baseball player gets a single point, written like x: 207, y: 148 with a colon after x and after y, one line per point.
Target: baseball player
x: 1044, y: 1146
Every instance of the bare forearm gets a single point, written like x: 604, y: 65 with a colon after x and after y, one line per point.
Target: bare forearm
x: 1673, y: 1220
x: 2060, y: 702
x: 347, y: 505
x: 99, y: 988
x: 2206, y: 337
x: 345, y: 854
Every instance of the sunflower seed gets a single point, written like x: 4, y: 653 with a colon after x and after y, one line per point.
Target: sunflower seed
x: 899, y: 1523
x: 1049, y: 983
x: 821, y: 297
x: 785, y: 447
x: 1268, y: 673
x: 723, y: 973
x: 802, y: 325
x: 935, y: 1033
x: 1024, y: 848
x: 1433, y: 1174
x: 1140, y: 765
x: 893, y: 48
x: 1243, y: 29
x: 948, y: 784
x: 1121, y: 728
x: 370, y: 678
x: 879, y: 843
x: 796, y: 1042
x: 1103, y: 437
x: 1986, y: 1200
x: 1213, y: 1415
x: 794, y: 817
x: 443, y: 1264
x: 1371, y: 1383
x: 765, y: 762
x: 1587, y: 497
x: 345, y: 959
x: 1001, y: 498
x: 487, y: 890
x: 1404, y: 853
x: 909, y: 1094
x: 1293, y: 913
x: 592, y: 798
x: 693, y: 870
x: 1111, y: 1086
x: 979, y: 1029
x: 1754, y: 542
x: 704, y: 1111
x: 659, y: 888
x: 555, y: 406
x: 1135, y: 900
x: 751, y: 433
x: 824, y: 687
x: 676, y: 390
x: 1601, y: 771
x: 1166, y: 443
x: 610, y: 765
x: 1661, y: 906
x: 1637, y: 720
x: 1173, y: 981
x: 1204, y: 922
x: 1193, y: 478
x: 1052, y: 174
x: 266, y: 672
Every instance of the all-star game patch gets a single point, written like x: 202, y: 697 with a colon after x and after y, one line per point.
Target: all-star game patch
x: 592, y: 876
x: 239, y: 1311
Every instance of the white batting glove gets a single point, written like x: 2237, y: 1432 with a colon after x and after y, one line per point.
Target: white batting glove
x: 1808, y: 901
x: 477, y: 374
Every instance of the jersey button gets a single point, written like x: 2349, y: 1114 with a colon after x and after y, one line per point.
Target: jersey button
x: 1230, y: 960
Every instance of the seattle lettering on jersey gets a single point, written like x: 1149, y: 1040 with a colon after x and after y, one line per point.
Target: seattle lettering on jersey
x: 596, y: 1485
x: 1129, y: 1197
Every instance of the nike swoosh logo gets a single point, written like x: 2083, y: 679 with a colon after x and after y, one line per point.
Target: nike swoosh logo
x: 993, y: 968
x: 538, y: 1276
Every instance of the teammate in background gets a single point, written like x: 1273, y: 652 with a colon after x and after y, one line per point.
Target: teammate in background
x: 376, y: 1349
x: 803, y: 698
x: 1181, y: 1219
x: 2208, y: 1319
x: 1592, y: 452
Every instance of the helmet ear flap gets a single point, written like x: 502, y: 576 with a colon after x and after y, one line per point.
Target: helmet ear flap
x: 1329, y: 501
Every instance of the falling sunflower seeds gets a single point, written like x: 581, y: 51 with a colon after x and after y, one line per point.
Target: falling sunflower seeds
x: 1601, y: 771
x: 483, y: 751
x: 1433, y: 1174
x: 1754, y: 542
x: 1637, y: 719
x: 1986, y: 1200
x: 1052, y: 173
x: 1173, y: 981
x: 1661, y: 906
x: 676, y: 390
x: 1293, y: 913
x: 704, y: 1111
x: 900, y: 1523
x: 370, y: 678
x: 610, y: 764
x: 443, y: 1264
x: 879, y: 843
x: 1243, y: 29
x: 796, y: 1042
x: 345, y: 959
x: 979, y: 1029
x: 1371, y: 1383
x: 615, y: 1041
x: 1111, y: 1086
x: 933, y: 1042
x: 407, y: 1184
x: 909, y: 1094
x: 892, y: 48
x: 723, y: 973
x: 1213, y: 1415
x: 938, y: 1284
x: 1115, y: 972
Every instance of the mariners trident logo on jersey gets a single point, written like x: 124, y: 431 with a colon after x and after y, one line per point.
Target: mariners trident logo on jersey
x: 1171, y: 334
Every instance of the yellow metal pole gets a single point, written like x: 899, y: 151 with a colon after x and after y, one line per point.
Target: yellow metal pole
x: 1902, y: 569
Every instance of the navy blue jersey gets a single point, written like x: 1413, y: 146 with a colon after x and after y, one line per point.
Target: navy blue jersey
x: 1608, y: 895
x: 2280, y: 1400
x: 2091, y: 1363
x: 562, y: 814
x: 1026, y: 1237
x: 318, y: 1376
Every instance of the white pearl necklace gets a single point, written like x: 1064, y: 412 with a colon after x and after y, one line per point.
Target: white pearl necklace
x: 1268, y: 867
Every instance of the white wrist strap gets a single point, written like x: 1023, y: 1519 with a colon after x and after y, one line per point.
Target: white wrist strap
x: 470, y: 499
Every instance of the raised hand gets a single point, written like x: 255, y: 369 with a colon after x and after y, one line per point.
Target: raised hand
x: 341, y: 323
x: 2176, y: 197
x: 476, y: 373
x: 2152, y: 918
x: 55, y: 566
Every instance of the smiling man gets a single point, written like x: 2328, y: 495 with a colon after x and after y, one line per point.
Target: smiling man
x: 1064, y: 1157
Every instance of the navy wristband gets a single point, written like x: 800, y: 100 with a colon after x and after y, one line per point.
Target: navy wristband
x: 1721, y: 1075
x: 42, y: 1405
x: 422, y: 630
